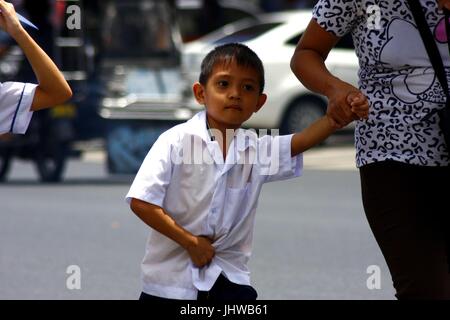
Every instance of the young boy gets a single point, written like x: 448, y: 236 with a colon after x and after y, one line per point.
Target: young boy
x: 198, y: 187
x: 19, y: 100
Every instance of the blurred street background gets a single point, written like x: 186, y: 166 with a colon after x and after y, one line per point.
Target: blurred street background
x: 131, y: 64
x: 312, y: 240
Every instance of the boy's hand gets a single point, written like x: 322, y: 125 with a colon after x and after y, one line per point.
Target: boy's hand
x: 8, y: 19
x: 201, y: 252
x: 359, y: 104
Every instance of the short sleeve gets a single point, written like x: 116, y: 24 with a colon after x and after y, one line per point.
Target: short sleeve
x: 336, y: 16
x: 15, y: 103
x: 275, y: 160
x: 153, y: 177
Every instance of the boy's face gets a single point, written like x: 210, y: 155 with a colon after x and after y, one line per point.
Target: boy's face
x: 231, y: 95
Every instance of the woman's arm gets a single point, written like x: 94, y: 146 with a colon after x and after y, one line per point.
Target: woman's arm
x: 308, y: 64
x: 52, y: 88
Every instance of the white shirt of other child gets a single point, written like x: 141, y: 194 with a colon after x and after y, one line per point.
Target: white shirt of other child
x: 185, y: 174
x: 15, y: 103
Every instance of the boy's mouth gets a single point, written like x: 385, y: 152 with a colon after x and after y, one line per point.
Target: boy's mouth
x: 234, y: 107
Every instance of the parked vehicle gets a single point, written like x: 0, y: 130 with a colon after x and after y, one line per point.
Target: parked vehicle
x: 192, y: 22
x: 290, y: 106
x: 144, y: 90
x: 139, y: 73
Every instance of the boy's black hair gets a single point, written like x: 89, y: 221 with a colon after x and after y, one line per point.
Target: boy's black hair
x: 227, y: 53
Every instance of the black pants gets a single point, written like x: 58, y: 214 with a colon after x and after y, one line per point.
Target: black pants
x: 408, y: 209
x: 223, y: 290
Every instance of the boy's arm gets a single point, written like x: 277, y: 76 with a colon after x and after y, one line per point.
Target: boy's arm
x: 52, y: 88
x: 325, y: 126
x: 199, y: 248
x: 312, y: 135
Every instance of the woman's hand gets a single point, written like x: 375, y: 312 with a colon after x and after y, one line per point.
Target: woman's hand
x: 339, y: 104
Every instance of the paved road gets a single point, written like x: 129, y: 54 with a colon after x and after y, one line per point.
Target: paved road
x: 311, y: 240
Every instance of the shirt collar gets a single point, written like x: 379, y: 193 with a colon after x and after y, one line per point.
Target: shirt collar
x: 243, y: 138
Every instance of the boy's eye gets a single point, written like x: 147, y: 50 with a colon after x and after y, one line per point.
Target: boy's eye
x: 249, y: 87
x: 222, y: 83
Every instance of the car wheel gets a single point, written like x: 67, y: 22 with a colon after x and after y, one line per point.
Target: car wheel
x: 301, y: 114
x: 50, y: 161
x: 5, y: 162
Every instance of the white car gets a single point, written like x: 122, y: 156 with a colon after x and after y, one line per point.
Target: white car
x: 290, y: 106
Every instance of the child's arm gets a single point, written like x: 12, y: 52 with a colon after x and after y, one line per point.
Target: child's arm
x: 199, y: 248
x: 312, y: 135
x: 53, y: 88
x: 325, y: 126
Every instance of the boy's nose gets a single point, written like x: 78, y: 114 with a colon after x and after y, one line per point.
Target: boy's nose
x: 235, y: 93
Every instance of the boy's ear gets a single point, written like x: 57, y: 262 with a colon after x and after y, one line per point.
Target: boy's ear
x: 199, y: 92
x: 261, y: 101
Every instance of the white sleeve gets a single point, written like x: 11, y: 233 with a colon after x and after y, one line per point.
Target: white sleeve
x: 336, y: 16
x: 153, y: 177
x: 275, y: 161
x: 15, y: 103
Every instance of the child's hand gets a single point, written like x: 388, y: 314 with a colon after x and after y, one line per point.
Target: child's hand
x: 8, y: 19
x: 201, y: 252
x: 359, y: 104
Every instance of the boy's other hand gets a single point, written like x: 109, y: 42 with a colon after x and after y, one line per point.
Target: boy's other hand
x: 8, y: 19
x: 359, y: 104
x: 201, y: 251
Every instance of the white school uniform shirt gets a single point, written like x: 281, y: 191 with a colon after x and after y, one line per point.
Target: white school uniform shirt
x: 185, y: 174
x: 15, y: 103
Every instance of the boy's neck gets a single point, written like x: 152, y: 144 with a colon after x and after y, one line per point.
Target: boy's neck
x: 215, y: 126
x: 221, y: 133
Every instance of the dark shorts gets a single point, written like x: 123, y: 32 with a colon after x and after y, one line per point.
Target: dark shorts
x: 408, y: 209
x: 223, y: 290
